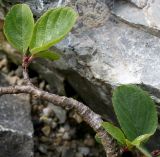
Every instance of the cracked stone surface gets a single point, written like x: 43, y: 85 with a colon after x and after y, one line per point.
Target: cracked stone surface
x: 139, y: 3
x: 146, y: 17
x: 106, y: 49
x: 15, y: 126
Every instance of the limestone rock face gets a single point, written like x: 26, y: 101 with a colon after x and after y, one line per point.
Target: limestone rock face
x: 15, y: 126
x: 139, y: 3
x: 146, y: 17
x: 113, y: 42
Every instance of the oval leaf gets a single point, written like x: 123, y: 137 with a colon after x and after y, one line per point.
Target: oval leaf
x: 115, y: 132
x: 48, y: 55
x: 51, y: 28
x: 135, y: 110
x: 18, y: 27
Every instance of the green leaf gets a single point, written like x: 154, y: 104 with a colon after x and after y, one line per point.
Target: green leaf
x: 52, y: 27
x: 144, y: 151
x: 18, y: 27
x: 115, y: 132
x: 140, y: 139
x: 48, y: 55
x: 135, y: 110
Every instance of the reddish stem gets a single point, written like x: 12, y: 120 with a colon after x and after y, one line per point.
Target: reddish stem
x: 26, y: 61
x: 156, y: 153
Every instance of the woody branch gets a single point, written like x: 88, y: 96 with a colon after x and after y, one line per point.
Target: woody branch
x: 91, y: 118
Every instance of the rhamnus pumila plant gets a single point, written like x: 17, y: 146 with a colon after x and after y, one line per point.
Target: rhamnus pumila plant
x: 34, y: 39
x: 137, y: 116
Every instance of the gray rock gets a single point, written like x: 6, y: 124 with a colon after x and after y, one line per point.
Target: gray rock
x: 37, y: 6
x: 84, y: 150
x: 146, y: 18
x: 139, y: 3
x: 15, y: 125
x: 43, y: 148
x: 19, y: 71
x: 68, y: 152
x: 60, y: 113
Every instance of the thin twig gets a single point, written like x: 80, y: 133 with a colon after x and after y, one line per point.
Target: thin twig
x: 90, y: 117
x: 25, y: 64
x: 26, y: 76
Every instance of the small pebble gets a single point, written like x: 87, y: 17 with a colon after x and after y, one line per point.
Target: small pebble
x: 3, y: 63
x: 34, y: 108
x: 19, y: 71
x: 79, y: 155
x: 53, y: 125
x: 12, y: 80
x: 4, y: 70
x: 46, y: 130
x: 61, y: 130
x: 42, y: 85
x: 57, y: 141
x: 11, y: 73
x: 68, y: 152
x: 46, y: 120
x: 60, y: 113
x: 20, y: 82
x: 43, y: 148
x: 84, y: 150
x: 66, y: 136
x: 40, y: 108
x: 45, y: 139
x: 89, y: 141
x: 47, y: 111
x: 77, y: 117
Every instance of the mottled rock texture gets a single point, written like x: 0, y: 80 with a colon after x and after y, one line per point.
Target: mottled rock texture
x: 15, y: 125
x: 145, y: 18
x: 139, y: 3
x: 105, y: 49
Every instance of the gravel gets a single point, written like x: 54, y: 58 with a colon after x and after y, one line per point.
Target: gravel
x: 57, y: 132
